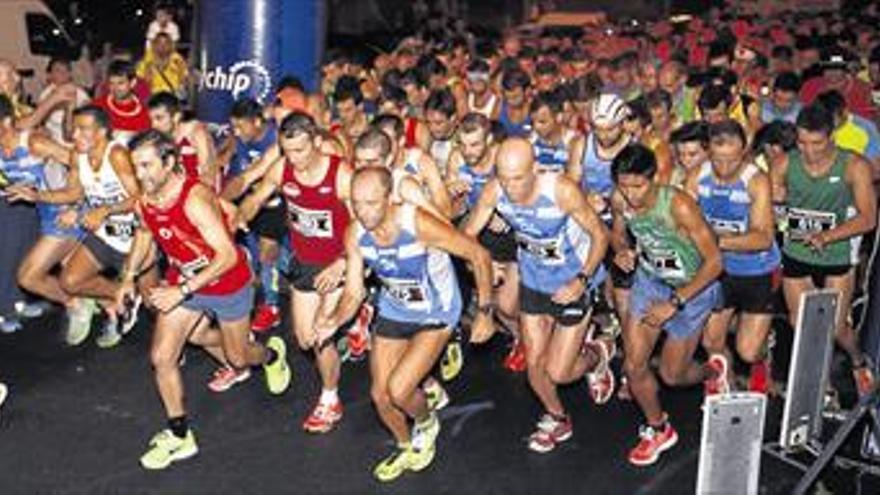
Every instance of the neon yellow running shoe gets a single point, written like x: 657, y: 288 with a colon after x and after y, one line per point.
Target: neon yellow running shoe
x: 166, y: 448
x: 278, y: 374
x: 452, y: 362
x: 394, y: 465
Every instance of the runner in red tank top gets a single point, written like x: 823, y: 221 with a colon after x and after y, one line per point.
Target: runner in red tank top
x: 128, y: 114
x: 209, y: 277
x: 196, y: 148
x: 315, y: 188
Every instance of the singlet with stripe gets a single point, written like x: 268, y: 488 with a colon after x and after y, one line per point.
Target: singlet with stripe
x: 316, y: 217
x: 552, y: 157
x: 727, y: 208
x: 189, y: 157
x: 596, y: 177
x: 552, y: 247
x: 186, y: 248
x: 103, y: 187
x: 664, y: 252
x: 815, y: 204
x: 22, y: 168
x: 418, y: 283
x: 514, y: 129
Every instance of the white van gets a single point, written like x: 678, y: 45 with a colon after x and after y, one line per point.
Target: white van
x: 30, y: 35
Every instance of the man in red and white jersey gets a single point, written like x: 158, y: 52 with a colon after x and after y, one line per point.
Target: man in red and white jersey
x: 315, y: 187
x: 195, y: 146
x: 208, y: 277
x: 128, y: 113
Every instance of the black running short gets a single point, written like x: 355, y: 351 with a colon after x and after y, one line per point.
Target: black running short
x: 533, y: 302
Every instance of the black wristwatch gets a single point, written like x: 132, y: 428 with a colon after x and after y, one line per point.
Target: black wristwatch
x: 678, y: 301
x: 583, y: 277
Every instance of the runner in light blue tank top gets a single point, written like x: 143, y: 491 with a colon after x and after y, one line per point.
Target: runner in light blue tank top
x: 418, y: 283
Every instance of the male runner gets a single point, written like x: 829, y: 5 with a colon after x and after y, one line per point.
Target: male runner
x: 208, y: 277
x: 418, y: 306
x: 561, y: 245
x: 674, y: 288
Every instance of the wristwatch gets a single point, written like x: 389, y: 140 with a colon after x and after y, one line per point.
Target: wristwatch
x: 583, y: 277
x: 678, y: 301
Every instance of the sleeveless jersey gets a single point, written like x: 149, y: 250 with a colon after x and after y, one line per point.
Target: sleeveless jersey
x: 486, y: 109
x: 315, y: 215
x: 189, y: 157
x: 187, y: 250
x: 476, y: 180
x: 552, y: 157
x: 102, y: 187
x: 814, y: 204
x: 552, y: 247
x: 411, y: 126
x: 514, y: 129
x: 418, y: 283
x: 727, y: 208
x: 596, y: 177
x: 22, y: 168
x: 664, y: 253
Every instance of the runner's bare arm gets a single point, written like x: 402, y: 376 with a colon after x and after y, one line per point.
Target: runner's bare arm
x: 439, y: 233
x: 47, y: 148
x: 688, y: 217
x: 858, y: 176
x: 204, y: 145
x: 481, y: 213
x: 434, y: 181
x: 261, y: 193
x: 239, y: 184
x: 353, y: 292
x: 120, y: 160
x: 762, y: 225
x: 573, y: 202
x: 203, y: 211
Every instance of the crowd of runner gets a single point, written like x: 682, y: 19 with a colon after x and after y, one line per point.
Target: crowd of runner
x: 649, y: 192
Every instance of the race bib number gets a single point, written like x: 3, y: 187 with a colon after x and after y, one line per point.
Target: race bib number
x: 311, y: 223
x: 802, y: 223
x: 547, y: 250
x: 119, y: 227
x: 723, y: 226
x: 191, y: 268
x: 407, y: 292
x: 664, y: 262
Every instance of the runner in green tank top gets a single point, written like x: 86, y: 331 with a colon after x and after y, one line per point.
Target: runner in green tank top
x: 664, y: 251
x: 830, y: 202
x: 674, y: 289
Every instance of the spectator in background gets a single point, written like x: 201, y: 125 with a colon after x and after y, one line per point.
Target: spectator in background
x: 782, y: 104
x: 163, y: 68
x: 163, y: 24
x: 837, y: 76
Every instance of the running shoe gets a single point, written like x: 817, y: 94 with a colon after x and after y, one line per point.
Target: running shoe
x: 166, y: 448
x: 129, y: 316
x: 9, y: 324
x: 110, y: 336
x: 390, y: 468
x: 716, y: 375
x: 452, y: 362
x: 324, y: 417
x: 358, y: 334
x: 424, y: 441
x: 79, y: 322
x: 226, y: 377
x: 652, y: 443
x: 28, y: 310
x: 278, y: 374
x: 266, y: 318
x: 864, y: 378
x: 550, y: 431
x: 515, y: 361
x: 4, y: 392
x: 601, y: 379
x: 435, y: 394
